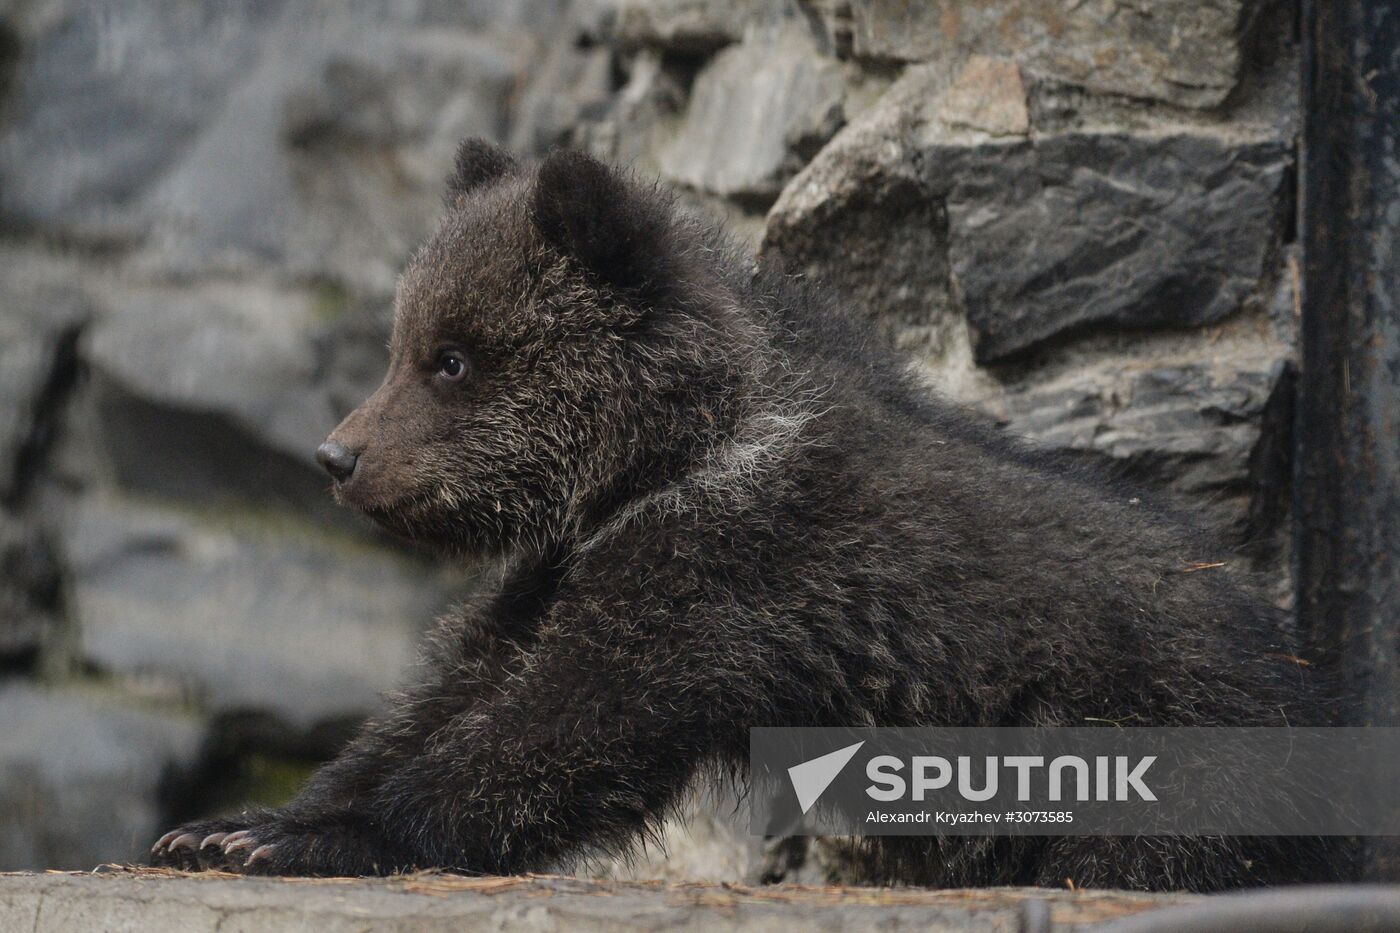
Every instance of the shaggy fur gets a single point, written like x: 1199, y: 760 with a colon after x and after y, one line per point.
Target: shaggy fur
x: 720, y: 505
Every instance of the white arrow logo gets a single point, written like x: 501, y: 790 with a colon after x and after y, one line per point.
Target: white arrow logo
x: 813, y: 777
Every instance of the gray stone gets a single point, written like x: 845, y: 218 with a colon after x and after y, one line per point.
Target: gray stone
x: 641, y: 119
x: 989, y: 96
x: 694, y: 25
x: 1038, y: 238
x: 31, y: 582
x: 220, y: 392
x: 193, y: 131
x: 97, y: 118
x: 245, y: 429
x: 244, y: 351
x: 42, y: 314
x: 638, y: 127
x: 756, y: 111
x: 39, y: 325
x: 80, y: 773
x: 861, y: 219
x: 369, y: 138
x: 1126, y: 230
x: 882, y: 247
x: 1178, y: 51
x: 1184, y: 424
x: 165, y: 902
x: 573, y: 82
x: 248, y: 612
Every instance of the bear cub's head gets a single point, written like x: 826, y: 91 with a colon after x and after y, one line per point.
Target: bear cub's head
x: 564, y: 341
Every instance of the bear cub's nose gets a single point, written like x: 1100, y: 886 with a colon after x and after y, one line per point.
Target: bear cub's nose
x: 338, y: 461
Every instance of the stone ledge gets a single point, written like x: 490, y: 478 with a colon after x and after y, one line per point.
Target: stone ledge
x: 155, y: 901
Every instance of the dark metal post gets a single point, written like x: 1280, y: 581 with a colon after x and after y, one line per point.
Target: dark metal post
x: 1348, y: 428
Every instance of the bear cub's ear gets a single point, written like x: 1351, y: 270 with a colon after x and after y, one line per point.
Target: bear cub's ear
x: 477, y: 163
x: 614, y: 229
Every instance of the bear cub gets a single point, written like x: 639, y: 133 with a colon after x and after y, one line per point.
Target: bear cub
x: 718, y: 502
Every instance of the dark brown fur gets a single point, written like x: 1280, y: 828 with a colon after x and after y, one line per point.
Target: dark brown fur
x: 720, y: 505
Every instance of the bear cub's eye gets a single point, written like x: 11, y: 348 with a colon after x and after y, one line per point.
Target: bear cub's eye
x: 452, y: 365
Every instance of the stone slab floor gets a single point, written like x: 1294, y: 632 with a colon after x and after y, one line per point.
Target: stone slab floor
x: 157, y: 901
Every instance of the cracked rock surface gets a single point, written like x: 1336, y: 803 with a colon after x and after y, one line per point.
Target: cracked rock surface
x: 155, y: 902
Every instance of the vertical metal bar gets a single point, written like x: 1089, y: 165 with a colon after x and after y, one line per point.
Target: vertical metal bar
x: 1348, y: 429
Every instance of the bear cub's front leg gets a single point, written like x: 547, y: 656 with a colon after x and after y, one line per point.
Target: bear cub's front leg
x: 326, y: 830
x: 513, y: 781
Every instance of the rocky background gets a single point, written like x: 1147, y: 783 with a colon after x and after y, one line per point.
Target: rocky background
x: 1077, y: 217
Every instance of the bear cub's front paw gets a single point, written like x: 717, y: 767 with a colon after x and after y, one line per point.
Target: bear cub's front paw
x: 202, y: 844
x: 274, y: 844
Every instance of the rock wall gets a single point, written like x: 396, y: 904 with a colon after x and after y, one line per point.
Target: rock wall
x: 1077, y: 218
